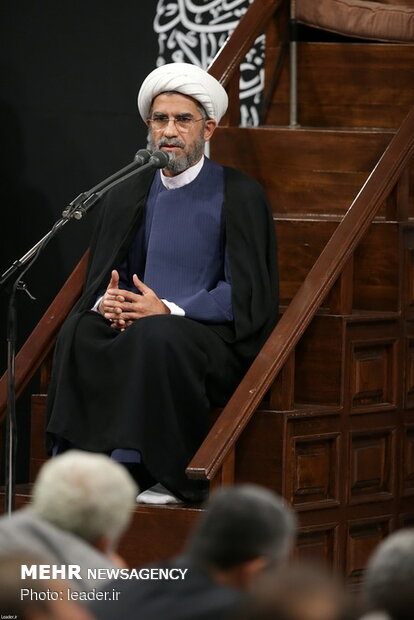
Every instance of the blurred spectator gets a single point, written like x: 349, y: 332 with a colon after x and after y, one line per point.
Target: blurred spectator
x: 81, y: 505
x: 28, y: 599
x: 244, y: 531
x: 301, y: 591
x: 389, y: 580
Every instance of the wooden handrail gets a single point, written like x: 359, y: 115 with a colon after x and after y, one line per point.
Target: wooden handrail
x: 42, y: 338
x: 241, y: 40
x: 279, y: 346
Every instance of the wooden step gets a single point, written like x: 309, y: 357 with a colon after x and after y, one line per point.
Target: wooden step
x: 348, y: 85
x: 156, y: 532
x: 377, y: 281
x: 304, y: 171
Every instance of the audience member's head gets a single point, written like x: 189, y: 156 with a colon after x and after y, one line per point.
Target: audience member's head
x: 296, y: 592
x: 244, y: 530
x: 86, y: 494
x: 34, y: 599
x: 389, y: 579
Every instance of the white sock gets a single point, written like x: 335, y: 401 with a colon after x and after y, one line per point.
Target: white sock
x: 157, y: 494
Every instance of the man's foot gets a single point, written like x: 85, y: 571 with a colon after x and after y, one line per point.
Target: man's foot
x: 157, y: 494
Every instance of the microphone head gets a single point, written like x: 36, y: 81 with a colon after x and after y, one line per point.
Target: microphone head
x: 159, y: 159
x: 142, y: 156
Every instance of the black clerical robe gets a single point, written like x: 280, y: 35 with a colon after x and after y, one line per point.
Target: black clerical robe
x: 150, y: 388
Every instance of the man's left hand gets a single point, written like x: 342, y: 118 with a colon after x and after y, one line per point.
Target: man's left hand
x: 128, y: 306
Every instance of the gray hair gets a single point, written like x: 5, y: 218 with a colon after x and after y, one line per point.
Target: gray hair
x: 389, y: 579
x: 242, y: 523
x: 89, y: 495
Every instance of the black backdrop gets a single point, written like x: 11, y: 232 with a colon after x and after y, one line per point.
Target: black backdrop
x: 69, y: 75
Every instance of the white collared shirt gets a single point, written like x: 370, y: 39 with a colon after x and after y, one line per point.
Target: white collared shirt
x: 184, y: 178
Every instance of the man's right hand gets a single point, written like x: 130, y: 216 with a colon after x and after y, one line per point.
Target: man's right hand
x: 107, y: 307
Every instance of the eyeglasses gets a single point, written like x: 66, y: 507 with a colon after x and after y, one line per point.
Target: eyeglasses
x: 182, y: 122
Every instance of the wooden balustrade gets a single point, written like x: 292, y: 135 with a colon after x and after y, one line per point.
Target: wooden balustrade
x: 334, y: 261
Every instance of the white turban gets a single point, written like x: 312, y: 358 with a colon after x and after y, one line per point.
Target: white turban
x: 188, y: 80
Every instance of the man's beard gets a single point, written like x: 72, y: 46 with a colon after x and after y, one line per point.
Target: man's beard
x: 179, y: 163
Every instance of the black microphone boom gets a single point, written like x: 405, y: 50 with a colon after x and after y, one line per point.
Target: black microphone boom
x: 82, y: 204
x: 141, y: 158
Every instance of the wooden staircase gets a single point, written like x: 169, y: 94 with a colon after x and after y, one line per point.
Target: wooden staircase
x: 325, y: 415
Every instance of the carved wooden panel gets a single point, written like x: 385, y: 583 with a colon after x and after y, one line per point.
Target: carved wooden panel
x: 311, y: 475
x: 318, y: 544
x: 372, y: 374
x: 408, y: 461
x: 362, y: 538
x: 372, y: 469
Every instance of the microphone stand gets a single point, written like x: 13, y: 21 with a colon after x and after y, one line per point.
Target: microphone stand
x: 75, y: 210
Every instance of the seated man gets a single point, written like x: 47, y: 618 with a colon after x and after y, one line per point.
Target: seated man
x: 189, y: 254
x: 389, y: 578
x: 81, y: 505
x: 276, y: 595
x: 245, y: 531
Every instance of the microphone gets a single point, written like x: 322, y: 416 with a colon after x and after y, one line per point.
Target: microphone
x: 142, y: 156
x: 142, y: 160
x: 159, y: 159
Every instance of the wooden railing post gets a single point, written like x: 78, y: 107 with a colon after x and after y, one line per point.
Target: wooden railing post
x: 342, y: 294
x: 397, y: 204
x: 226, y: 473
x: 232, y: 116
x: 253, y: 23
x: 276, y: 48
x: 228, y: 468
x: 282, y: 392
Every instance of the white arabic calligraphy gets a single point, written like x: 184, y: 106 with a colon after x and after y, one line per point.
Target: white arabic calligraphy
x: 195, y: 30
